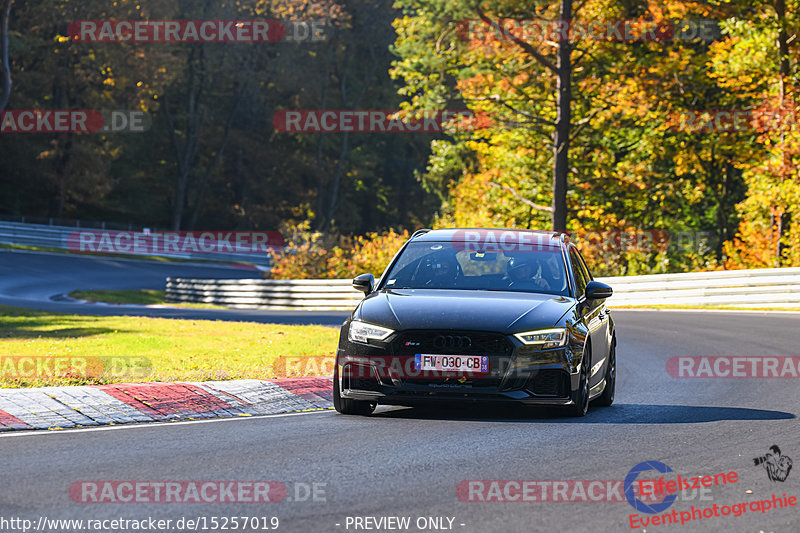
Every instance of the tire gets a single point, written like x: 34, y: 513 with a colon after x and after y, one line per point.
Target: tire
x: 580, y: 397
x: 607, y: 397
x: 347, y: 406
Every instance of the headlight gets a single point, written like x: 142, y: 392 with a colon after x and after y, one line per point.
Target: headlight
x: 362, y: 332
x: 545, y: 338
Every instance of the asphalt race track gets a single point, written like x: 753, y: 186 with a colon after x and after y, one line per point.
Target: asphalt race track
x: 409, y: 462
x: 38, y: 280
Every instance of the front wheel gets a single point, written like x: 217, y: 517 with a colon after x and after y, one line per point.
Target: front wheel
x: 607, y: 397
x: 346, y: 406
x: 580, y: 398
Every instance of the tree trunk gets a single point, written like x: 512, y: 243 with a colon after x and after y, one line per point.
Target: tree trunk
x: 63, y: 151
x: 563, y: 122
x: 784, y: 72
x: 343, y: 76
x: 61, y: 174
x: 322, y: 182
x: 5, y: 66
x: 185, y: 154
x: 337, y: 180
x: 723, y: 228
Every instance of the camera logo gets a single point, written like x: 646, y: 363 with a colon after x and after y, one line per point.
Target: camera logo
x: 777, y: 466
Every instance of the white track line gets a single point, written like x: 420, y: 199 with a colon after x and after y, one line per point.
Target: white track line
x: 32, y: 432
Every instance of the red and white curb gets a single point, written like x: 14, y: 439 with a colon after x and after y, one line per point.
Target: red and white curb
x: 121, y: 403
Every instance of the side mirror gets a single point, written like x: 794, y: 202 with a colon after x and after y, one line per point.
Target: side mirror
x: 364, y: 283
x: 598, y: 291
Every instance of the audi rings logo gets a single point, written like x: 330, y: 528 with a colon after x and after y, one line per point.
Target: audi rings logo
x: 452, y: 341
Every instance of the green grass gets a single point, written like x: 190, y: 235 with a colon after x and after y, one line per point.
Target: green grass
x: 140, y: 296
x: 122, y: 349
x: 137, y: 297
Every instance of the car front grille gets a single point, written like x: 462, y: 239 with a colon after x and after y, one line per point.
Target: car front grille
x: 451, y: 342
x: 493, y: 345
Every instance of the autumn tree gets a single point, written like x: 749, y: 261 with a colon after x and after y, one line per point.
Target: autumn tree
x: 758, y: 65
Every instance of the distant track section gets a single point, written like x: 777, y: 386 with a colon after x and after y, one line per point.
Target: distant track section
x: 39, y: 280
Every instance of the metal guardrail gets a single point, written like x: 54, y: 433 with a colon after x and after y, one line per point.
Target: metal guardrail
x: 47, y: 236
x: 73, y: 223
x: 297, y: 294
x: 764, y: 287
x: 779, y: 287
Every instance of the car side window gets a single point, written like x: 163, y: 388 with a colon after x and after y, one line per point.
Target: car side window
x: 577, y: 272
x: 586, y: 273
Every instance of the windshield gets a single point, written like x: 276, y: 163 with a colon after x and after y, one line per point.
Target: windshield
x: 445, y: 265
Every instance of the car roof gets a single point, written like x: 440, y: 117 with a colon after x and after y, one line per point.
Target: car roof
x: 553, y: 238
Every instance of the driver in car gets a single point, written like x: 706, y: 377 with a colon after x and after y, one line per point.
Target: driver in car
x: 442, y: 271
x: 521, y: 275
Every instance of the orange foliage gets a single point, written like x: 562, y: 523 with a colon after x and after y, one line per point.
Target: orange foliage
x: 312, y: 256
x: 753, y: 247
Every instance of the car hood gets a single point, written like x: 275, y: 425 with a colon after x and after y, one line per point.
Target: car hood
x: 504, y: 312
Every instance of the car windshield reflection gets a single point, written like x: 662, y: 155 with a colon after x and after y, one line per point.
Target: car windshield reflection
x: 438, y: 265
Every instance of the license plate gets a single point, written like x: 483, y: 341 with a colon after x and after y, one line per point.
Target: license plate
x: 472, y: 364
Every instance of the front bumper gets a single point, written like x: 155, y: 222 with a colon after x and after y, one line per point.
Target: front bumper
x: 383, y: 372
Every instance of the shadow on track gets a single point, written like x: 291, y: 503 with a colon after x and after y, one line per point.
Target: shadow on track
x: 616, y: 414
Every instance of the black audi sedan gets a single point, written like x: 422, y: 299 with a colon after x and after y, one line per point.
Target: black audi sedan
x: 479, y: 315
